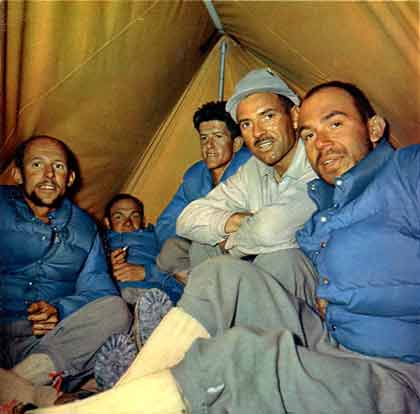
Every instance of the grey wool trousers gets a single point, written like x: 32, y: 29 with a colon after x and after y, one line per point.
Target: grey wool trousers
x: 269, y: 351
x: 74, y: 341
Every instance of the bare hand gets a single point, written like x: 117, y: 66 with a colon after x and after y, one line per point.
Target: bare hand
x: 234, y: 221
x: 222, y: 245
x: 44, y: 317
x: 321, y: 306
x: 118, y: 256
x: 126, y: 272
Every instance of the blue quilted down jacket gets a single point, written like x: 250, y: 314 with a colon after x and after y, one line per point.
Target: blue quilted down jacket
x: 62, y: 262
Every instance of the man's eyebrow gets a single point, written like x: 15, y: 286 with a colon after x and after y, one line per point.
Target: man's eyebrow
x: 332, y: 114
x: 262, y: 112
x: 323, y: 119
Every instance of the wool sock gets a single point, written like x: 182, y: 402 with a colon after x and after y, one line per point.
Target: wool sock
x: 153, y: 394
x: 166, y: 346
x: 35, y: 368
x: 14, y: 387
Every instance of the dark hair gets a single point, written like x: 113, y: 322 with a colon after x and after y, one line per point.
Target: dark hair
x: 71, y: 160
x: 287, y: 103
x: 361, y: 102
x: 123, y: 196
x: 216, y: 111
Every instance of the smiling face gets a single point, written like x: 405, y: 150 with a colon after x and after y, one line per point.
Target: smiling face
x: 126, y: 216
x: 267, y: 129
x: 217, y: 146
x: 45, y: 176
x: 335, y: 135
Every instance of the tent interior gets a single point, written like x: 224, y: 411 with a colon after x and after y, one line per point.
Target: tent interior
x: 119, y: 81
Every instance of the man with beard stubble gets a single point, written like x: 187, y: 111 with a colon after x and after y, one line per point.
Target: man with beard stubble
x: 58, y: 303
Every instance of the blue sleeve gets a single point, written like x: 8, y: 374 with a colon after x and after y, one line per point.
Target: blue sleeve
x: 197, y: 182
x: 406, y: 187
x: 93, y: 282
x: 166, y: 223
x: 166, y: 282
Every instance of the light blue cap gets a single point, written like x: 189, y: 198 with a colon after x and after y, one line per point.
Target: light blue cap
x: 259, y: 80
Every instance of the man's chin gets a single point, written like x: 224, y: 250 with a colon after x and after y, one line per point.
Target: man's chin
x: 40, y: 201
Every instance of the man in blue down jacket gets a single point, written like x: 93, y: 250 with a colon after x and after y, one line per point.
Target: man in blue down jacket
x: 222, y: 154
x: 342, y: 336
x: 133, y: 248
x: 58, y: 303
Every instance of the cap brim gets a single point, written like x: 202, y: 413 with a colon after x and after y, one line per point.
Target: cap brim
x: 233, y: 102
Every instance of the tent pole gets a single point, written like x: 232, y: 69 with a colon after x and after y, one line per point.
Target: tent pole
x: 223, y: 49
x: 223, y: 45
x: 214, y: 16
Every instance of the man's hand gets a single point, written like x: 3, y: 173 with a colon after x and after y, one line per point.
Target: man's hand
x: 118, y: 256
x: 321, y: 306
x: 44, y: 317
x: 126, y: 272
x: 234, y: 221
x: 123, y: 271
x: 222, y: 245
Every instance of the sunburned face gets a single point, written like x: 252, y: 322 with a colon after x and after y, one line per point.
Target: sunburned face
x: 126, y: 216
x: 267, y: 129
x: 45, y: 176
x: 217, y: 146
x: 335, y: 135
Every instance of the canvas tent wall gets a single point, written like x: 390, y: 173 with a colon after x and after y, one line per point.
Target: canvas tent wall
x: 119, y: 81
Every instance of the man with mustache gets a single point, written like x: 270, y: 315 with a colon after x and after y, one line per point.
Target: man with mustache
x: 222, y: 154
x: 58, y: 303
x: 276, y: 353
x: 257, y: 211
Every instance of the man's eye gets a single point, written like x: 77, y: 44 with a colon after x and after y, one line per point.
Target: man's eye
x: 269, y: 115
x: 36, y: 164
x: 116, y: 217
x: 203, y: 139
x: 244, y: 125
x: 307, y: 136
x: 336, y: 124
x: 219, y: 136
x: 59, y: 166
x: 136, y: 215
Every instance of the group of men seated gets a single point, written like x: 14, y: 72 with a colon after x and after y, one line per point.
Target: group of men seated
x: 300, y: 255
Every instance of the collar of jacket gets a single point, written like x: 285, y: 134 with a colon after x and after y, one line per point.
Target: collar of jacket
x: 351, y: 184
x: 59, y: 218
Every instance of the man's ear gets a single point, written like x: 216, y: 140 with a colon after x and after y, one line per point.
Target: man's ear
x: 106, y: 223
x: 70, y: 180
x: 294, y: 114
x: 17, y: 175
x: 376, y: 127
x: 237, y: 143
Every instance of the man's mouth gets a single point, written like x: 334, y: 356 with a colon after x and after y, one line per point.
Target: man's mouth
x: 47, y: 187
x: 329, y: 161
x: 264, y: 144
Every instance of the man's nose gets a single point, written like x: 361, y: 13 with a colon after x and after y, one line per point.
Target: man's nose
x: 49, y: 171
x: 258, y: 129
x: 210, y: 142
x: 322, y: 140
x: 128, y: 222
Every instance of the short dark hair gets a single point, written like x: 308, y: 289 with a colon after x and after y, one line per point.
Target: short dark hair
x: 123, y: 196
x: 216, y: 111
x: 361, y: 102
x: 287, y: 103
x: 71, y: 159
